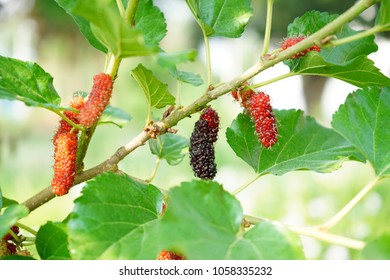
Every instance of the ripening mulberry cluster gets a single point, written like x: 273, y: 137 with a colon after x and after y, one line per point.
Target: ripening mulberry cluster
x: 264, y: 119
x: 243, y: 96
x: 203, y: 137
x: 259, y: 107
x: 76, y: 103
x: 97, y: 100
x: 65, y: 151
x: 7, y: 243
x: 168, y: 255
x: 289, y: 42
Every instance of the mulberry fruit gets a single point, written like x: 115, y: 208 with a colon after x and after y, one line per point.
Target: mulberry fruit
x: 168, y: 255
x: 11, y: 247
x: 209, y: 124
x: 76, y: 103
x: 65, y: 151
x: 289, y: 42
x: 97, y: 100
x: 264, y: 119
x: 243, y: 96
x: 8, y: 236
x: 202, y: 154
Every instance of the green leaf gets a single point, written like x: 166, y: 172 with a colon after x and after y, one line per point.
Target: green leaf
x: 156, y: 92
x: 267, y: 241
x: 309, y: 23
x: 364, y: 121
x: 302, y: 145
x: 10, y: 216
x: 377, y: 249
x: 150, y: 20
x: 383, y: 15
x: 52, y: 242
x: 207, y: 225
x: 360, y: 72
x: 115, y: 116
x: 169, y: 147
x: 226, y: 18
x: 186, y: 77
x: 8, y: 202
x: 345, y: 53
x: 106, y: 215
x: 120, y: 38
x: 5, y: 202
x: 170, y: 60
x: 83, y: 24
x: 27, y: 82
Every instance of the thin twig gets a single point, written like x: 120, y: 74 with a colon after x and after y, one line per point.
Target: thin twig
x: 314, y: 233
x: 347, y: 208
x: 245, y: 185
x: 154, y: 172
x: 268, y: 25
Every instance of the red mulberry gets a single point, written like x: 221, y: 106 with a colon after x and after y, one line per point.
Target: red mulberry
x: 202, y: 155
x: 243, y: 96
x: 65, y: 151
x: 264, y: 119
x: 97, y: 100
x: 8, y: 236
x: 76, y: 103
x: 168, y: 255
x: 289, y: 42
x: 11, y: 247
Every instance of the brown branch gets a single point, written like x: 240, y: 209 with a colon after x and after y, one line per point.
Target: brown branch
x: 162, y: 126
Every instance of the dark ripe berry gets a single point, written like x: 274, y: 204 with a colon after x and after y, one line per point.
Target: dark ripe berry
x: 97, y: 100
x: 65, y: 151
x: 168, y: 255
x: 11, y: 247
x: 208, y: 124
x: 8, y: 236
x: 202, y: 159
x: 264, y: 119
x: 289, y: 42
x: 202, y: 140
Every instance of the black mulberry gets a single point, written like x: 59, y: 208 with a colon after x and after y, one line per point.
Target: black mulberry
x: 202, y: 155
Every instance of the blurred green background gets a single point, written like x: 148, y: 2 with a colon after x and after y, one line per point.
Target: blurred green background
x: 40, y: 31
